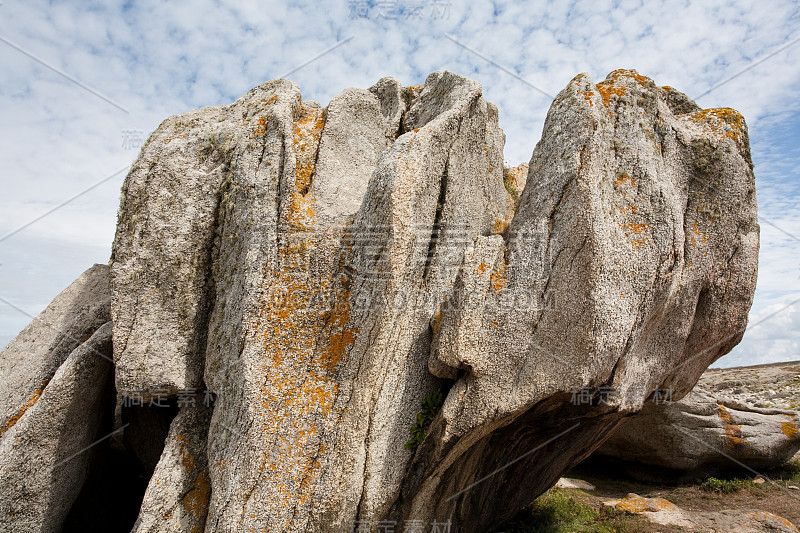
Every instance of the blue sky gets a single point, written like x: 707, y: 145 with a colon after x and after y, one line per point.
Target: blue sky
x: 84, y: 83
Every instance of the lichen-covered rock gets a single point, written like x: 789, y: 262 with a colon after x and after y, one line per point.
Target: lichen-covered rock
x: 29, y: 361
x: 391, y: 335
x: 629, y: 267
x: 664, y: 512
x: 178, y: 494
x: 703, y: 434
x: 45, y: 456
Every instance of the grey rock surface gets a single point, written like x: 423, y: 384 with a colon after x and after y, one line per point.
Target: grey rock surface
x: 707, y: 432
x: 45, y: 456
x: 29, y: 361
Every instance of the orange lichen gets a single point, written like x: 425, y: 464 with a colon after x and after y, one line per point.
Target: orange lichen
x: 587, y: 96
x: 637, y: 504
x: 789, y: 428
x: 416, y: 88
x: 499, y: 278
x: 261, y: 129
x: 724, y: 121
x: 196, y: 500
x: 767, y: 517
x: 437, y: 321
x: 27, y: 405
x: 305, y: 333
x: 733, y: 432
x: 613, y: 87
x: 500, y: 226
x: 306, y: 134
x: 622, y: 178
x: 482, y: 268
x: 517, y: 176
x: 168, y: 139
x: 636, y: 232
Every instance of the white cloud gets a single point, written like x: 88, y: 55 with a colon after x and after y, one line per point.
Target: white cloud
x: 159, y: 58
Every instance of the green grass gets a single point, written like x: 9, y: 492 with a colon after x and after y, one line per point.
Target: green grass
x: 556, y: 512
x: 725, y: 486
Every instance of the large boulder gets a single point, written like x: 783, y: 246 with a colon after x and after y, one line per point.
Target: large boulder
x: 394, y: 333
x: 722, y: 426
x: 327, y: 271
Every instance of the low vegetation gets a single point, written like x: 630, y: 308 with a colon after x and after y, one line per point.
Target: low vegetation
x: 557, y: 511
x: 725, y: 486
x: 430, y: 407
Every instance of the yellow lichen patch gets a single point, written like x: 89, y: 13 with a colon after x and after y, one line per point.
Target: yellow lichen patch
x: 261, y: 129
x: 609, y: 89
x: 306, y: 134
x: 733, y: 432
x: 587, y: 96
x: 767, y: 517
x: 613, y: 87
x: 437, y: 321
x: 517, y: 176
x: 416, y: 88
x: 696, y: 234
x: 482, y: 268
x: 169, y: 139
x: 196, y: 500
x: 27, y: 405
x: 304, y: 331
x: 789, y: 428
x: 500, y: 226
x: 635, y: 504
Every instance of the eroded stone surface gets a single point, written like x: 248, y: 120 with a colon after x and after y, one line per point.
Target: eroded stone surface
x: 629, y: 267
x: 45, y: 456
x: 29, y: 361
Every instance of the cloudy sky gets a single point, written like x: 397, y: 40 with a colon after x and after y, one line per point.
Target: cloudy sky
x: 83, y: 84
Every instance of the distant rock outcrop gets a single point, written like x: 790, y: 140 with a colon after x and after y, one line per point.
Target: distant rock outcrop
x: 723, y: 425
x: 393, y: 332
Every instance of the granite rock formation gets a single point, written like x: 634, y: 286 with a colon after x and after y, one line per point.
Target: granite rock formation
x: 392, y: 331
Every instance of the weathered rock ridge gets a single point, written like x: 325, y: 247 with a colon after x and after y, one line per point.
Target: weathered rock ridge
x: 733, y: 420
x: 340, y: 279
